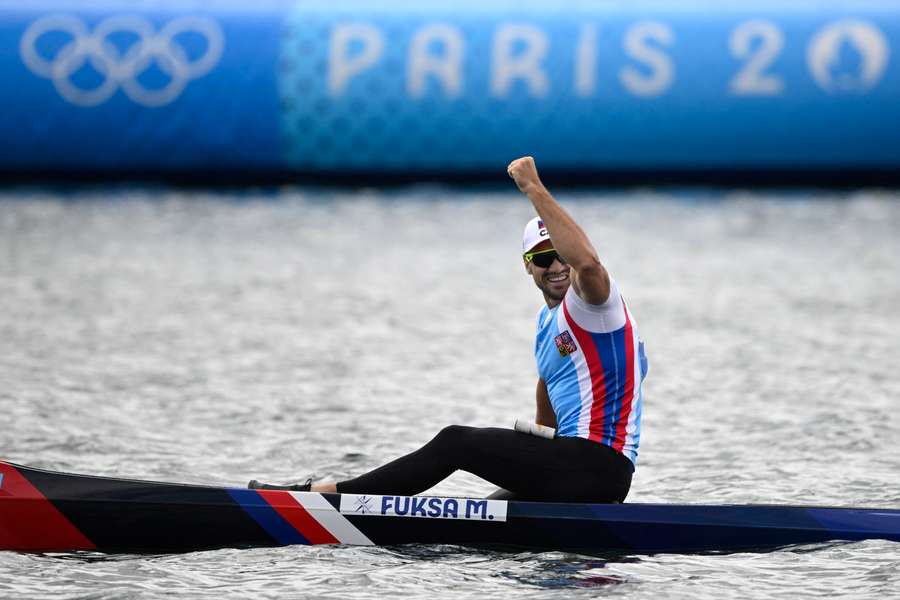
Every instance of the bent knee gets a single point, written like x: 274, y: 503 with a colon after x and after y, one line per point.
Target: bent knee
x: 451, y: 436
x: 452, y: 431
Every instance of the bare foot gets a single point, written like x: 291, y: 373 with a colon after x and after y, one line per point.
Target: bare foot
x: 325, y: 488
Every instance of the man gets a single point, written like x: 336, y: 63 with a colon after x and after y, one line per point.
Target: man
x: 591, y: 366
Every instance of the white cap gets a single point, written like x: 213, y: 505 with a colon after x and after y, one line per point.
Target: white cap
x: 535, y: 233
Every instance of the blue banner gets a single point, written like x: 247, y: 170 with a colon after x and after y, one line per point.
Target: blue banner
x: 98, y: 86
x: 341, y: 85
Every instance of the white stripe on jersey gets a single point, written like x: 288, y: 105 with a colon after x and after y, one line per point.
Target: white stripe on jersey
x: 631, y: 426
x: 597, y: 318
x: 585, y: 385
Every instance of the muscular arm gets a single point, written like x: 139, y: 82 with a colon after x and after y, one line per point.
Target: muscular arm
x: 591, y: 279
x: 544, y: 414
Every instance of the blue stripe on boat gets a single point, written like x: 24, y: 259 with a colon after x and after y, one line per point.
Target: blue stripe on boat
x: 268, y: 518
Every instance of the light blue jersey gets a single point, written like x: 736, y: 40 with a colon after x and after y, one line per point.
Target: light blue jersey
x: 593, y: 362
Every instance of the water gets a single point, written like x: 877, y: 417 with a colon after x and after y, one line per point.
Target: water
x: 217, y: 337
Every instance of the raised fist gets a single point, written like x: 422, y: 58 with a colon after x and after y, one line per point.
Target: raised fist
x: 524, y: 173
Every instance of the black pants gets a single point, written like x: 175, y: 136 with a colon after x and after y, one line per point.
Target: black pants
x: 564, y: 469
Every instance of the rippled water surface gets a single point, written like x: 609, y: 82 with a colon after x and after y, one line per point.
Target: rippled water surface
x: 217, y: 337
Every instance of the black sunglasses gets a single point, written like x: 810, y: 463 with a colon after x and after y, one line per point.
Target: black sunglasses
x: 544, y: 258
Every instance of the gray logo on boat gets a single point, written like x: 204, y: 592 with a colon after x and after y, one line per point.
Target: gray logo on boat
x: 363, y: 505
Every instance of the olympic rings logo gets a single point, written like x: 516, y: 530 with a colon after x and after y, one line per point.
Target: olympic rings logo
x: 121, y: 68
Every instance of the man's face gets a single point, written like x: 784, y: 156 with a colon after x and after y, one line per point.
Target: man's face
x: 553, y: 280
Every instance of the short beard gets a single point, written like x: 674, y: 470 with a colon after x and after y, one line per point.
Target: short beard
x: 549, y: 295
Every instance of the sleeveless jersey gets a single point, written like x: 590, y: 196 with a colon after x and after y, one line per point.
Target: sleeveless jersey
x: 593, y: 362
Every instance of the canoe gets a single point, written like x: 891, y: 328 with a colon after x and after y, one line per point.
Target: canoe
x: 44, y: 511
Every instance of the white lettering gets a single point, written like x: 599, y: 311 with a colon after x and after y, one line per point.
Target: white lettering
x: 525, y: 65
x: 586, y: 61
x: 342, y: 66
x: 849, y: 55
x: 751, y: 80
x: 447, y: 67
x: 662, y: 70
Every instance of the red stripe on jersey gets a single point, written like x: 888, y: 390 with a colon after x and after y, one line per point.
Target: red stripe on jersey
x: 598, y: 377
x: 30, y: 522
x: 294, y: 513
x: 628, y: 395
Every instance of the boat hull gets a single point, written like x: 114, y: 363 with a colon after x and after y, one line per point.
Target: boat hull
x: 48, y: 511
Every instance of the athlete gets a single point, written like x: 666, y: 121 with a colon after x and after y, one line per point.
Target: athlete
x: 591, y: 365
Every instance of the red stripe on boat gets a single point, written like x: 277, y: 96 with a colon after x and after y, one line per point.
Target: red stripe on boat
x: 294, y: 513
x: 30, y: 522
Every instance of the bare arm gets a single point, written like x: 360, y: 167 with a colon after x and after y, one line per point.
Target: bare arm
x: 544, y: 414
x: 591, y: 279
